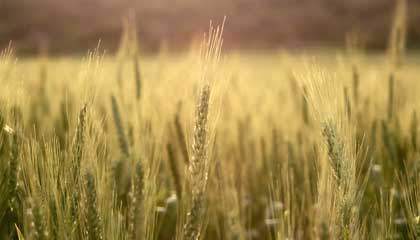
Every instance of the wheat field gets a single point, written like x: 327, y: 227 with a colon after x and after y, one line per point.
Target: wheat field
x: 316, y: 144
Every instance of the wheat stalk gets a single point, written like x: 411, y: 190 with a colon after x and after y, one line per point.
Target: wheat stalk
x: 181, y: 136
x: 13, y: 172
x: 136, y: 195
x: 398, y: 34
x: 339, y: 137
x: 174, y: 170
x: 137, y: 77
x: 197, y: 167
x: 79, y: 142
x: 122, y: 139
x: 391, y: 96
x: 94, y: 222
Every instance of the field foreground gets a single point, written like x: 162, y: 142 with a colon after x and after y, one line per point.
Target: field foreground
x: 255, y: 146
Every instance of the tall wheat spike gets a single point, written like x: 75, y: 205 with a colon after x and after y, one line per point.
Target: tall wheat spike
x: 197, y: 168
x: 79, y: 142
x: 77, y: 151
x: 199, y: 162
x: 335, y: 148
x: 339, y: 136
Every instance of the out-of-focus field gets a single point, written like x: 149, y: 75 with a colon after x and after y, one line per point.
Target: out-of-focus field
x: 249, y: 82
x: 69, y: 26
x: 320, y: 144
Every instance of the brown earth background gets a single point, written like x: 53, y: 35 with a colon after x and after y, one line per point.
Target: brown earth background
x: 69, y: 26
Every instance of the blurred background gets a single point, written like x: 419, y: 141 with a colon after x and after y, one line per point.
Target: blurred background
x: 65, y: 26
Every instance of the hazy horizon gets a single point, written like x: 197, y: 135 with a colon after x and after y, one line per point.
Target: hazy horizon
x: 75, y: 26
